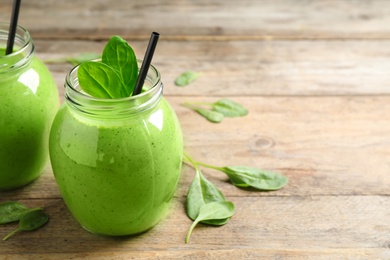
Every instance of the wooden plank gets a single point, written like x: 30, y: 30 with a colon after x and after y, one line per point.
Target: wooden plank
x: 325, y: 146
x: 255, y: 68
x: 242, y: 253
x: 294, y: 225
x: 182, y: 20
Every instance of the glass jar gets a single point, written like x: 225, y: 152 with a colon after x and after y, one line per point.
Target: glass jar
x: 117, y: 162
x: 28, y: 103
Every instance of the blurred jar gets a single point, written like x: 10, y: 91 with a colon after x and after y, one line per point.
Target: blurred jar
x: 28, y: 103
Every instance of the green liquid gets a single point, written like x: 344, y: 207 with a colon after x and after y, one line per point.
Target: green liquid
x: 117, y: 177
x: 28, y: 103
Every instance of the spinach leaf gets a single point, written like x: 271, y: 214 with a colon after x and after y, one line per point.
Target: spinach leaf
x: 30, y: 221
x: 115, y: 76
x: 121, y: 57
x: 201, y: 192
x: 11, y: 211
x: 100, y: 80
x: 219, y: 109
x: 244, y: 176
x: 186, y: 78
x: 218, y: 210
x: 206, y: 203
x: 229, y: 108
x: 75, y: 60
x: 83, y: 57
x: 212, y: 116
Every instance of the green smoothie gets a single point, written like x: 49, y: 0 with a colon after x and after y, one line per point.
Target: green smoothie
x: 28, y: 103
x: 117, y: 176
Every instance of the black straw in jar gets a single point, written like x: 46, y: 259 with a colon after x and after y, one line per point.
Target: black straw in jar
x: 12, y: 27
x: 146, y: 63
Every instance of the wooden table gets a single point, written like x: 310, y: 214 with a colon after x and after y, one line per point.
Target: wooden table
x: 315, y: 76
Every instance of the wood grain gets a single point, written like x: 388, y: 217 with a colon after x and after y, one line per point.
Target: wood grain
x: 189, y: 20
x: 270, y: 68
x: 243, y: 253
x: 307, y: 223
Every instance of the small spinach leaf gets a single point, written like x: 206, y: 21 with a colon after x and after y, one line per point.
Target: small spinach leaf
x: 11, y: 211
x: 229, y: 108
x: 30, y: 221
x: 219, y: 109
x: 201, y: 192
x: 218, y: 210
x: 244, y: 176
x: 212, y: 116
x: 83, y: 57
x: 186, y: 78
x: 75, y: 60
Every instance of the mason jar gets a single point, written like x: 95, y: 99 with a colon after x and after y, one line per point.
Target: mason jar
x: 117, y: 162
x: 28, y: 103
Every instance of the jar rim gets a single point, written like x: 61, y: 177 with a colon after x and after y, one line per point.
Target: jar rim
x: 113, y: 107
x: 69, y: 83
x: 22, y: 55
x: 22, y: 32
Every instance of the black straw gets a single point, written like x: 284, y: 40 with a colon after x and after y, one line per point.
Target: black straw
x: 146, y: 63
x: 12, y: 27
